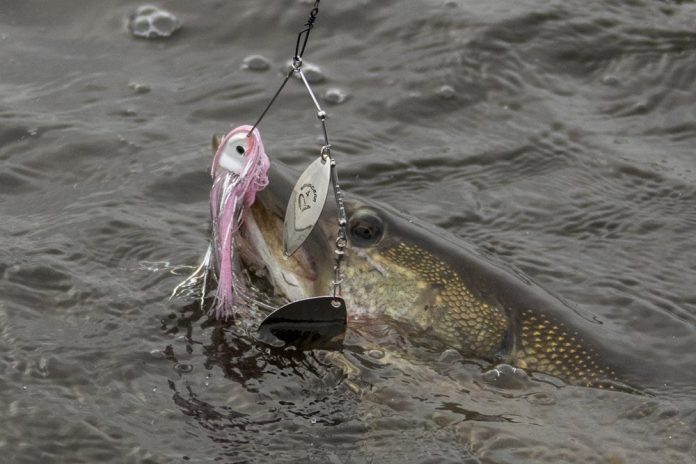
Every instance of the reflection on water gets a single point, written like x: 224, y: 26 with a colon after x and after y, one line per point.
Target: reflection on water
x: 556, y: 135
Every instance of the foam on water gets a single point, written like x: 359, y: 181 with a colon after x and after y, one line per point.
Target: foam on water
x: 151, y: 22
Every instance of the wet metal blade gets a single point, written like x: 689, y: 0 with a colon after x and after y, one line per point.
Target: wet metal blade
x: 318, y: 322
x: 306, y: 203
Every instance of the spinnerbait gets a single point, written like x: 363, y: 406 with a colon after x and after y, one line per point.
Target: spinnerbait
x: 234, y: 190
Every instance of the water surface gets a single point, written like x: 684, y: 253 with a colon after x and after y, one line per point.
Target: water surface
x: 557, y: 135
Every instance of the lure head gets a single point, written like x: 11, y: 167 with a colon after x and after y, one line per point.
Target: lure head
x: 229, y: 151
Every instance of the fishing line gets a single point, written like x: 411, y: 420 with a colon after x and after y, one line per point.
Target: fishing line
x: 302, y: 37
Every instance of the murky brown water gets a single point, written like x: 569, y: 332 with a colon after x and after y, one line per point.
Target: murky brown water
x: 559, y: 135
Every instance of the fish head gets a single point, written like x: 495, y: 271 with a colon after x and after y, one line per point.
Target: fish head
x: 385, y: 271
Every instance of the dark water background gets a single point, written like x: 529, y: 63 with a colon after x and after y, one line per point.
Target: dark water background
x: 559, y: 135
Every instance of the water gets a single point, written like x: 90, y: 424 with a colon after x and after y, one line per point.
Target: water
x: 558, y: 135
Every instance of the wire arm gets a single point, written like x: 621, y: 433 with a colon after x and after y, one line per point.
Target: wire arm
x: 300, y: 46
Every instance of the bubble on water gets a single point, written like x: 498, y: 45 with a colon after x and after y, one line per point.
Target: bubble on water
x: 157, y: 354
x: 610, y: 80
x: 313, y: 420
x: 183, y: 367
x: 151, y: 22
x: 376, y: 354
x: 256, y: 63
x: 312, y: 72
x: 335, y: 96
x: 447, y: 92
x: 506, y: 376
x: 138, y: 87
x: 450, y: 355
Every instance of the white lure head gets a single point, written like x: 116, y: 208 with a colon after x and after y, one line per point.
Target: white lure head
x: 232, y: 151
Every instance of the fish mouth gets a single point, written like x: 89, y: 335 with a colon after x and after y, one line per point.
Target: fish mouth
x: 304, y: 274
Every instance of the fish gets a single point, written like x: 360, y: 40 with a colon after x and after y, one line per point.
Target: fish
x: 401, y: 268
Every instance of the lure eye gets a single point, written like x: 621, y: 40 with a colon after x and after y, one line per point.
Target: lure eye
x: 365, y: 228
x: 230, y: 157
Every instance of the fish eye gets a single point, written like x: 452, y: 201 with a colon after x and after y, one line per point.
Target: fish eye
x: 240, y: 149
x: 365, y: 228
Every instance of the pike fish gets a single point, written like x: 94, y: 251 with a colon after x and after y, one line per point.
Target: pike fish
x: 423, y: 276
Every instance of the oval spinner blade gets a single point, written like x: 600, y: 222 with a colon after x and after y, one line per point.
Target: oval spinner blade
x: 305, y: 204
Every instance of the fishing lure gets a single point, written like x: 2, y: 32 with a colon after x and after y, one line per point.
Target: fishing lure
x: 235, y: 184
x: 239, y: 170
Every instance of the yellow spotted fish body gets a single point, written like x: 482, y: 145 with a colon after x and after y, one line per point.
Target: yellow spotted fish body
x: 549, y: 346
x: 474, y: 306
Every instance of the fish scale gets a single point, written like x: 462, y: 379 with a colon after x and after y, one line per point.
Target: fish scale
x: 549, y: 346
x: 438, y: 300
